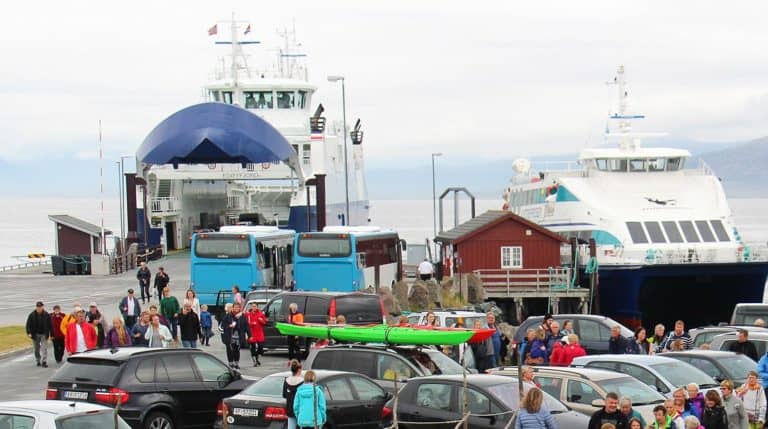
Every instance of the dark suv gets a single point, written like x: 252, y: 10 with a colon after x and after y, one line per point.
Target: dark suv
x: 358, y: 308
x: 155, y: 388
x: 594, y: 331
x: 383, y: 364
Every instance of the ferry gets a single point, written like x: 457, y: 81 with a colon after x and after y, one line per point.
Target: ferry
x: 184, y: 199
x: 665, y: 243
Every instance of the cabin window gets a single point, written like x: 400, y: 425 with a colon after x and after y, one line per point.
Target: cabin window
x: 226, y: 96
x: 674, y: 164
x: 618, y: 164
x: 602, y: 164
x: 705, y: 232
x: 216, y: 96
x: 302, y: 99
x: 307, y: 155
x: 654, y: 231
x: 286, y: 99
x: 511, y: 257
x: 637, y: 233
x: 258, y: 99
x: 673, y: 233
x: 296, y: 148
x: 689, y: 231
x: 657, y: 164
x: 636, y: 165
x: 720, y: 232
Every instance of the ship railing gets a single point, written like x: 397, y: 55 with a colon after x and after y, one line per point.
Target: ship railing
x: 165, y: 205
x: 748, y: 252
x: 502, y: 282
x: 235, y: 202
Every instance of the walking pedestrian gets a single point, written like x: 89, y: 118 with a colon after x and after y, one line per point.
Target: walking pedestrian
x: 695, y: 398
x: 235, y: 335
x: 57, y: 336
x: 157, y: 335
x: 677, y: 418
x: 657, y: 340
x: 426, y: 270
x: 290, y: 385
x: 743, y: 346
x: 638, y: 345
x: 130, y: 309
x: 169, y: 308
x: 69, y: 318
x: 206, y: 324
x: 555, y: 337
x: 682, y: 405
x: 532, y: 414
x: 190, y: 327
x: 237, y: 297
x: 734, y: 407
x: 153, y: 311
x: 617, y: 344
x: 678, y: 334
x: 39, y: 329
x: 118, y: 335
x: 81, y: 335
x: 140, y: 329
x: 161, y: 281
x: 144, y: 275
x: 490, y: 318
x: 256, y: 322
x: 94, y: 317
x: 609, y: 414
x: 714, y: 415
x: 538, y: 349
x: 568, y: 352
x: 296, y: 318
x: 625, y: 405
x: 190, y: 297
x: 483, y: 351
x: 753, y: 396
x: 309, y: 403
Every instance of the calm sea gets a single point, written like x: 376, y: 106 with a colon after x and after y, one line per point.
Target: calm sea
x: 25, y: 228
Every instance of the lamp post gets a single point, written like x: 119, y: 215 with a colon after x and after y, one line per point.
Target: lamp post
x: 123, y: 198
x: 346, y: 164
x: 434, y: 195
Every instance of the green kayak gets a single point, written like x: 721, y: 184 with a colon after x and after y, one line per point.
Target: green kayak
x: 378, y: 334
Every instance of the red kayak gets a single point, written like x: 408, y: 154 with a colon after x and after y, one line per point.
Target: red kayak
x: 479, y: 336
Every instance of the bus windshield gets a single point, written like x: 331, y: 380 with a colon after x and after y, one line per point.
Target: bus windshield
x: 222, y: 247
x: 328, y: 247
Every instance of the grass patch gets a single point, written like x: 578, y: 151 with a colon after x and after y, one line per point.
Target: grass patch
x: 14, y: 337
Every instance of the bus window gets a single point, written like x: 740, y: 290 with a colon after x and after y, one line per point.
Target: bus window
x: 222, y: 247
x: 289, y: 254
x: 361, y: 260
x: 267, y: 257
x: 324, y: 246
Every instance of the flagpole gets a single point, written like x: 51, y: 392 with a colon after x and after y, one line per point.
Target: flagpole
x: 101, y: 185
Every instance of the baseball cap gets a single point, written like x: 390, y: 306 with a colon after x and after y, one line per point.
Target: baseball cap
x: 130, y: 290
x: 39, y: 304
x: 92, y: 304
x: 78, y: 309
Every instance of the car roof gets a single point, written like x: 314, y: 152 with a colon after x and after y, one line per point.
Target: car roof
x: 570, y: 316
x: 753, y: 335
x: 702, y: 353
x: 323, y: 294
x: 125, y: 353
x: 51, y: 407
x: 727, y: 328
x: 320, y: 373
x: 638, y: 359
x: 476, y: 379
x: 585, y: 373
x: 377, y: 347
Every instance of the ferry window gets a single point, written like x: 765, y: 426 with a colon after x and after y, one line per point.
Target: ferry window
x: 286, y: 99
x: 674, y: 164
x: 720, y: 231
x: 673, y: 233
x: 302, y: 99
x: 689, y: 231
x: 654, y: 231
x: 657, y: 164
x: 705, y: 232
x: 259, y: 99
x: 512, y: 257
x: 226, y: 96
x: 216, y: 96
x: 618, y: 164
x: 602, y: 164
x: 636, y: 165
x: 307, y: 155
x: 636, y: 232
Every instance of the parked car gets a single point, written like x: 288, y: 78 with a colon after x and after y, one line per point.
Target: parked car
x: 57, y: 415
x: 746, y: 314
x: 352, y: 400
x: 724, y: 341
x: 384, y: 364
x: 593, y: 330
x: 448, y: 318
x: 358, y: 308
x: 584, y: 389
x: 718, y: 364
x: 661, y: 373
x: 704, y: 335
x: 155, y: 388
x: 441, y: 398
x: 261, y: 297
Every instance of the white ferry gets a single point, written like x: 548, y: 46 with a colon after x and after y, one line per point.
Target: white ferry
x: 186, y: 198
x: 666, y: 245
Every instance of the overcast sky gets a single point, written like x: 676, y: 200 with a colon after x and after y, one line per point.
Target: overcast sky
x: 498, y: 79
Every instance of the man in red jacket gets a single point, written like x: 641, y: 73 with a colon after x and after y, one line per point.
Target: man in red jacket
x: 572, y: 350
x: 256, y: 321
x: 81, y: 335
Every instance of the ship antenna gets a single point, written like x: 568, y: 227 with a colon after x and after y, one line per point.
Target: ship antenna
x: 237, y: 54
x: 624, y: 118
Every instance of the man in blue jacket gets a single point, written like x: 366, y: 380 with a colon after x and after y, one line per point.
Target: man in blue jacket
x: 130, y: 309
x: 617, y: 345
x: 495, y: 338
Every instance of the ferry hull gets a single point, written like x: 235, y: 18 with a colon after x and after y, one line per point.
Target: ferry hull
x: 698, y: 294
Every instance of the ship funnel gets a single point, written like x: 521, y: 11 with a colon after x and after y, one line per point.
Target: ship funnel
x: 522, y: 166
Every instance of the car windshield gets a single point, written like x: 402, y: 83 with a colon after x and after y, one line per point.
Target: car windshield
x: 680, y: 374
x: 749, y: 318
x: 267, y: 386
x: 468, y: 321
x: 507, y: 393
x: 737, y: 366
x: 640, y: 393
x: 91, y: 420
x: 81, y: 369
x: 435, y: 362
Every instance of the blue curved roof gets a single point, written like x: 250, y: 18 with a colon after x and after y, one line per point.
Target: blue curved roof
x: 214, y: 133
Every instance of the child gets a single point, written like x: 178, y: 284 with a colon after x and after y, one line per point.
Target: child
x: 206, y: 323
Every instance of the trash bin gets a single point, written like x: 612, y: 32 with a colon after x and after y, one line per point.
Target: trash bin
x: 57, y: 265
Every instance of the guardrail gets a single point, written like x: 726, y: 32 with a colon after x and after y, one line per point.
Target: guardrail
x: 165, y: 205
x: 22, y: 265
x: 505, y: 282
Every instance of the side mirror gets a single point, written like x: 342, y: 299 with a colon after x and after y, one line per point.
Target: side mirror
x: 402, y: 380
x: 598, y: 403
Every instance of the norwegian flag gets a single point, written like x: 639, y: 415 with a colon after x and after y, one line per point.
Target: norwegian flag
x: 213, y: 30
x: 247, y: 29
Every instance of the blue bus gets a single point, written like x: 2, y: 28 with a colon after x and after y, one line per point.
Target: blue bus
x: 347, y: 259
x: 251, y: 257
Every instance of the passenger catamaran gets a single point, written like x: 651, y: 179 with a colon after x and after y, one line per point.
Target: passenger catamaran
x: 187, y: 198
x: 666, y: 243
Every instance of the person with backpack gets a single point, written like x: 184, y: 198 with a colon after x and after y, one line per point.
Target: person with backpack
x: 290, y: 385
x: 309, y: 403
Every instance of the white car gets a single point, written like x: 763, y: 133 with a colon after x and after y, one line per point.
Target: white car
x: 58, y: 415
x: 448, y: 318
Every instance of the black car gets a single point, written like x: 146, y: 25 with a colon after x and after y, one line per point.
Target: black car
x: 383, y: 364
x: 718, y: 364
x: 493, y: 399
x: 352, y: 400
x: 594, y: 331
x: 358, y: 308
x: 155, y: 388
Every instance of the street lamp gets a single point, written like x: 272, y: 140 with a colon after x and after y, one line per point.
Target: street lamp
x: 434, y: 196
x: 346, y: 164
x: 123, y: 199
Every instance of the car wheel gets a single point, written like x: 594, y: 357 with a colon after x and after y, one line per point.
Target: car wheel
x: 158, y: 420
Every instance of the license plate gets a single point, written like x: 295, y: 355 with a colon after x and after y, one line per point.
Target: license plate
x: 80, y: 396
x: 245, y: 412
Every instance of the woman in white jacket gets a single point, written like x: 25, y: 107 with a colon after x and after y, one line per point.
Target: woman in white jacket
x: 158, y: 335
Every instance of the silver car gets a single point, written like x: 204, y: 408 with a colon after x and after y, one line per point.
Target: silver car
x: 58, y: 415
x: 724, y: 341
